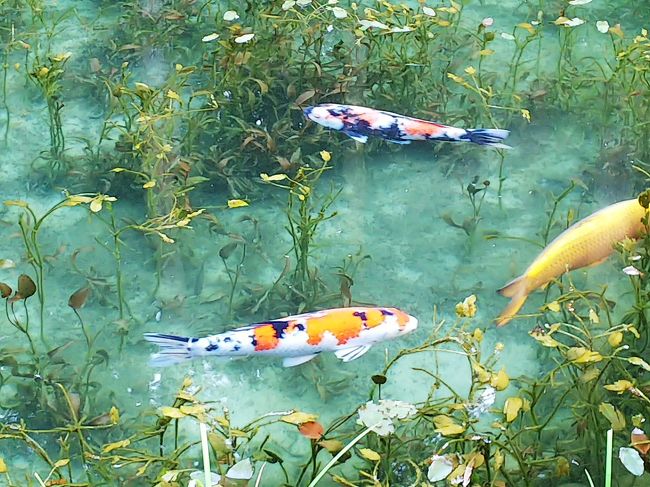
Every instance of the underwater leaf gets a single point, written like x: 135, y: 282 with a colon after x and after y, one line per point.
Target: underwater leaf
x: 275, y: 177
x: 332, y: 446
x: 631, y: 460
x: 620, y: 386
x: 602, y: 26
x: 312, y: 430
x: 7, y: 264
x: 242, y: 470
x: 440, y: 468
x: 326, y: 156
x: 527, y: 26
x: 446, y: 425
x: 61, y: 463
x: 639, y: 440
x: 79, y: 297
x: 431, y: 13
x: 299, y: 418
x: 498, y: 459
x: 553, y: 306
x: 339, y: 13
x: 237, y: 203
x: 115, y: 445
x: 615, y: 417
x: 19, y: 203
x: 148, y: 184
x: 482, y: 375
x: 171, y: 412
x: 581, y: 355
x: 227, y: 250
x: 590, y: 374
x: 640, y: 362
x: 303, y: 97
x: 26, y: 286
x: 5, y: 290
x: 193, y: 409
x: 210, y: 37
x: 500, y: 380
x: 369, y: 454
x: 230, y: 15
x: 545, y: 339
x: 244, y: 38
x: 593, y: 316
x: 3, y: 466
x: 512, y: 407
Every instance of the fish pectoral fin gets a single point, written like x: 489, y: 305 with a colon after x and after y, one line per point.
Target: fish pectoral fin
x: 358, y: 137
x: 349, y: 354
x: 301, y: 359
x: 400, y: 142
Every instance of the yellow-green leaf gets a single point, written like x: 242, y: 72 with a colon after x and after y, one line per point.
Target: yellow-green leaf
x: 114, y: 446
x: 527, y: 26
x: 275, y: 177
x: 512, y: 407
x: 614, y: 416
x: 486, y: 52
x: 299, y: 418
x: 640, y: 362
x: 620, y: 386
x: 193, y: 409
x: 615, y: 339
x: 20, y: 203
x: 593, y: 316
x: 500, y: 380
x: 590, y: 374
x: 96, y: 205
x: 446, y: 425
x: 581, y: 355
x: 236, y: 203
x: 553, y: 306
x: 149, y: 184
x: 369, y: 454
x: 172, y: 95
x: 332, y: 446
x: 114, y: 415
x: 3, y: 466
x: 326, y: 156
x: 61, y: 463
x: 171, y: 412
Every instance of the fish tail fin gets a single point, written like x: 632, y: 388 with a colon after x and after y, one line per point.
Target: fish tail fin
x: 173, y: 349
x: 490, y: 137
x: 517, y: 292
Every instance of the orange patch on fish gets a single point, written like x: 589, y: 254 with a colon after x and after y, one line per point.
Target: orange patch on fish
x: 265, y: 338
x: 402, y: 318
x: 344, y: 324
x: 421, y: 128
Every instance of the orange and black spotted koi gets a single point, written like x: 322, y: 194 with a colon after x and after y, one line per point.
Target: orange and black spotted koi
x: 360, y: 123
x: 348, y: 332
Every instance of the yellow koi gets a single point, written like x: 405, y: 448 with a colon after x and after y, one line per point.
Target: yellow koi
x: 588, y: 242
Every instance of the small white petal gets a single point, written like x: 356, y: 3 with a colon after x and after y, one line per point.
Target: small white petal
x: 602, y: 26
x: 632, y: 271
x: 330, y: 28
x: 288, y: 4
x: 401, y: 29
x: 508, y: 37
x: 487, y: 21
x: 303, y: 3
x: 631, y: 460
x: 230, y: 15
x: 242, y: 470
x: 439, y: 469
x: 210, y: 37
x: 367, y: 24
x: 574, y: 22
x: 332, y: 2
x: 244, y: 39
x: 429, y: 11
x: 339, y: 13
x: 579, y: 2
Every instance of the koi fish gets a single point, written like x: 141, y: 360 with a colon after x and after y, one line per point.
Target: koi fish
x: 348, y: 332
x: 588, y: 242
x: 360, y: 122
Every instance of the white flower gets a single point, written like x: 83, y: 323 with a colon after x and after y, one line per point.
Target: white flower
x: 579, y: 2
x: 401, y: 29
x: 440, y: 468
x: 242, y: 470
x: 632, y: 271
x: 244, y: 39
x: 230, y: 15
x: 330, y: 28
x: 210, y: 37
x: 380, y: 416
x: 215, y: 478
x: 574, y: 22
x: 288, y: 4
x: 602, y: 26
x: 631, y: 460
x: 303, y: 3
x: 508, y: 37
x: 367, y: 24
x: 483, y: 403
x: 487, y: 21
x: 429, y: 11
x: 339, y: 13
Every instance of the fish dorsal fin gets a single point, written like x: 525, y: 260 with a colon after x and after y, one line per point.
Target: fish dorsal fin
x: 358, y: 137
x: 293, y: 361
x: 349, y: 354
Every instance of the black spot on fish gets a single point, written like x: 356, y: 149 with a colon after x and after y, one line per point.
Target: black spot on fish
x: 227, y: 340
x: 279, y: 327
x: 361, y: 314
x: 212, y: 347
x: 300, y: 327
x: 236, y: 348
x: 385, y: 312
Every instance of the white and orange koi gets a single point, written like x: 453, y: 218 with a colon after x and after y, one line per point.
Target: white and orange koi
x: 360, y: 123
x: 348, y: 332
x: 588, y: 242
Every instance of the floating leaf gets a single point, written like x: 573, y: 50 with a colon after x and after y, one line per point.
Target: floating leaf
x: 615, y: 417
x: 500, y: 380
x: 61, y: 463
x: 26, y: 286
x: 210, y: 37
x: 440, y: 468
x: 369, y: 454
x: 79, y: 297
x: 631, y: 460
x: 242, y: 470
x: 602, y: 26
x: 114, y: 446
x: 312, y: 430
x: 244, y: 38
x: 581, y: 355
x: 512, y: 407
x: 227, y: 250
x: 446, y: 425
x: 237, y: 203
x: 299, y: 418
x: 149, y: 184
x: 230, y: 15
x: 275, y: 177
x: 619, y: 386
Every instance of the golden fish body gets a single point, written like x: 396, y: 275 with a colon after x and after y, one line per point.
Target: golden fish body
x: 585, y: 243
